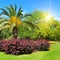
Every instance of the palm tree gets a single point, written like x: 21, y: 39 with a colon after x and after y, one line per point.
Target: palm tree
x: 14, y: 19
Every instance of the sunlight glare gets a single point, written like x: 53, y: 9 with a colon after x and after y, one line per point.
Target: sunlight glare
x: 47, y: 17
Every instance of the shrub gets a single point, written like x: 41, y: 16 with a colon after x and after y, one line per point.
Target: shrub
x: 42, y: 45
x: 3, y: 45
x: 19, y: 47
x: 23, y: 46
x: 30, y: 47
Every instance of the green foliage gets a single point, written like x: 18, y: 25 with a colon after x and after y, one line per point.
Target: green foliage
x: 47, y: 30
x: 5, y: 34
x: 35, y: 27
x: 57, y: 32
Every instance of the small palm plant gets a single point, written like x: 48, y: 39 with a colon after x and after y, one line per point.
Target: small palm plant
x: 14, y: 19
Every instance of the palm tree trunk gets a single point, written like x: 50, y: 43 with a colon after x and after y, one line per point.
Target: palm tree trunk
x: 15, y: 32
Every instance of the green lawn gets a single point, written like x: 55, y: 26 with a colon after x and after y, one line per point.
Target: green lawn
x: 53, y: 54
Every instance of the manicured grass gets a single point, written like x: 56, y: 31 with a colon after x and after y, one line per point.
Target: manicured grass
x: 53, y: 42
x: 52, y: 54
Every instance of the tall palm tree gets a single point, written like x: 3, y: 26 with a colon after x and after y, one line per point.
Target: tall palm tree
x: 14, y: 19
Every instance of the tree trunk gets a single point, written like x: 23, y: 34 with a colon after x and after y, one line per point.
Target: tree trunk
x: 15, y: 32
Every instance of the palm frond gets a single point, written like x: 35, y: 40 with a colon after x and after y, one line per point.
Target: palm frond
x: 30, y: 23
x: 13, y: 9
x: 4, y: 27
x: 4, y: 23
x: 2, y: 20
x: 11, y: 27
x: 26, y: 26
x: 19, y: 12
x: 10, y: 11
x: 25, y: 15
x: 5, y: 12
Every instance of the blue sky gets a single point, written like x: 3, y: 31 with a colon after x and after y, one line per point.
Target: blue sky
x: 31, y: 5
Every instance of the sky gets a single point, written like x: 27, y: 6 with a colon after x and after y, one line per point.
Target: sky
x: 53, y: 6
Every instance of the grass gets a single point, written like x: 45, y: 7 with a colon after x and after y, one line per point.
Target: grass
x: 52, y: 54
x: 53, y: 42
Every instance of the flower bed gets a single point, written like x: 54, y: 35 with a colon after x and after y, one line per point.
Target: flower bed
x: 23, y: 46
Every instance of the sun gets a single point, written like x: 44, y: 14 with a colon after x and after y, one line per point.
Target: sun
x: 47, y: 17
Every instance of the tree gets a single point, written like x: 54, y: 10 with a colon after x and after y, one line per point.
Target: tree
x: 14, y: 19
